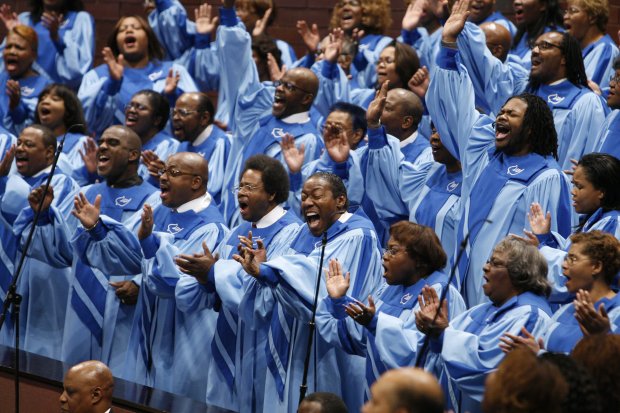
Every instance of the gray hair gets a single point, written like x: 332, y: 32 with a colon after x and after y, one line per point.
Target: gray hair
x: 527, y: 268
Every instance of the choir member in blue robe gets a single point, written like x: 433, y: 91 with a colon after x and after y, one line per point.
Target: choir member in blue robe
x: 192, y: 124
x: 532, y: 20
x: 495, y: 17
x: 19, y: 80
x: 590, y: 266
x: 596, y: 199
x: 59, y: 109
x: 587, y: 22
x: 557, y: 75
x: 508, y: 163
x: 173, y: 29
x: 422, y: 27
x: 609, y: 134
x: 163, y: 343
x: 414, y: 259
x: 516, y: 285
x: 245, y: 307
x: 67, y: 35
x: 133, y: 62
x: 292, y: 278
x: 258, y: 116
x: 147, y: 115
x: 44, y: 289
x: 93, y: 240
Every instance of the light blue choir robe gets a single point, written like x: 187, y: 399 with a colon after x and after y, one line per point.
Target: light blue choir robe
x: 68, y: 59
x: 71, y: 160
x: 292, y: 278
x: 245, y: 309
x: 363, y: 67
x: 334, y: 86
x: 6, y: 140
x: 499, y: 18
x: 213, y: 145
x: 419, y: 191
x: 555, y: 247
x: 254, y: 129
x: 564, y: 332
x: 608, y: 139
x: 173, y: 29
x: 470, y: 348
x: 598, y: 59
x: 391, y: 340
x: 14, y: 120
x: 104, y: 99
x: 498, y: 189
x: 164, y: 145
x: 426, y: 45
x: 44, y: 288
x: 97, y: 325
x: 167, y: 347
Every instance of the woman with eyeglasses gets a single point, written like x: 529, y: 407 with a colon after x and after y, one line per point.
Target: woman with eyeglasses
x: 133, y: 61
x: 608, y: 138
x: 66, y: 33
x: 587, y: 20
x: 592, y: 263
x: 147, y: 114
x: 383, y: 330
x: 596, y: 198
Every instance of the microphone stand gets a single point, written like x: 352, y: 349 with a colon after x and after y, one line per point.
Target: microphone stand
x: 12, y: 297
x: 311, y: 324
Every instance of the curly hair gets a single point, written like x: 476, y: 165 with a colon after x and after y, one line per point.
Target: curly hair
x: 538, y: 125
x: 376, y: 17
x: 74, y: 113
x: 36, y: 8
x: 550, y: 17
x: 527, y: 267
x: 602, y: 247
x: 603, y: 172
x: 155, y: 51
x: 422, y: 245
x: 274, y: 176
x: 599, y: 9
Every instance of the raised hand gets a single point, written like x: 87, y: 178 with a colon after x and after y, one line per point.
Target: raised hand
x: 337, y: 145
x: 205, y: 24
x: 362, y: 314
x: 590, y: 320
x: 419, y: 82
x: 8, y: 17
x: 509, y: 342
x: 197, y: 265
x: 428, y: 301
x: 88, y: 153
x: 375, y: 109
x: 309, y: 35
x: 337, y: 284
x: 413, y: 14
x: 14, y: 93
x: 52, y: 21
x: 333, y: 46
x: 126, y: 291
x: 293, y: 156
x: 34, y: 199
x: 172, y: 81
x: 275, y: 72
x: 539, y: 222
x: 456, y: 22
x: 85, y: 212
x: 7, y: 161
x: 146, y: 224
x: 261, y: 24
x: 116, y: 65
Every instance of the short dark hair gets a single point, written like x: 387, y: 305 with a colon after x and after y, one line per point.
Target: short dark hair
x: 155, y: 50
x: 48, y: 136
x: 264, y: 44
x: 335, y: 183
x: 603, y: 172
x: 274, y: 176
x: 602, y: 247
x: 538, y: 125
x: 330, y: 403
x: 422, y: 245
x: 161, y: 106
x: 357, y: 114
x: 74, y: 114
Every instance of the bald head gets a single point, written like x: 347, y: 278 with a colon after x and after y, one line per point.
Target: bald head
x: 498, y: 39
x: 402, y: 113
x: 130, y: 138
x: 88, y: 388
x: 185, y: 179
x: 191, y: 161
x: 306, y: 78
x: 295, y: 93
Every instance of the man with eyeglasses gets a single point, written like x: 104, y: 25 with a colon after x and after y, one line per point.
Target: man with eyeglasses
x: 162, y: 347
x: 556, y: 75
x: 245, y: 306
x: 260, y: 117
x: 97, y: 240
x: 192, y: 124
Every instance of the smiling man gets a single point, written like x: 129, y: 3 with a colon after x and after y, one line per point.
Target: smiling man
x: 292, y: 277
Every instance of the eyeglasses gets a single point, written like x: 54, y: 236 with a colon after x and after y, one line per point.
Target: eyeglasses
x: 136, y: 106
x: 182, y: 112
x: 544, y: 45
x: 247, y: 188
x: 572, y: 10
x: 615, y: 78
x: 495, y: 263
x: 353, y: 3
x: 392, y: 251
x: 573, y: 259
x: 386, y: 61
x: 173, y: 172
x: 289, y: 86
